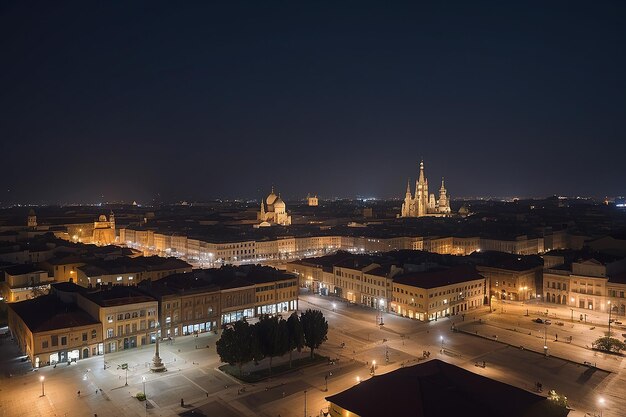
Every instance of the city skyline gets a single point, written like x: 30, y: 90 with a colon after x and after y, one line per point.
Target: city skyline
x: 197, y: 102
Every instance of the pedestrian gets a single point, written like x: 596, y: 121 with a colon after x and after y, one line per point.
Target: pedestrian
x: 79, y: 393
x: 182, y: 402
x: 556, y: 335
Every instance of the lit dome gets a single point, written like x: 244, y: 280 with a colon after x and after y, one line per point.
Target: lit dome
x: 271, y: 198
x: 279, y: 203
x: 102, y: 218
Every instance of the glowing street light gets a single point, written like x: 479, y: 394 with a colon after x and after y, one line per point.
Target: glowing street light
x: 373, y: 368
x: 43, y: 392
x: 358, y: 379
x: 334, y: 306
x: 143, y: 380
x: 601, y: 403
x: 441, y: 337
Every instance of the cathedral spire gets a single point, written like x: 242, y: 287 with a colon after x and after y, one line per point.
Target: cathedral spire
x: 408, y: 186
x: 421, y: 179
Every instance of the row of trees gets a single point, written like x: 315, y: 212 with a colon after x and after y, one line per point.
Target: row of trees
x: 272, y: 336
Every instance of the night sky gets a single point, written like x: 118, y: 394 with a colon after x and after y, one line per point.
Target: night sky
x: 188, y: 100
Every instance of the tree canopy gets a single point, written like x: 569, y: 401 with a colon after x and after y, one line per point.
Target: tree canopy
x: 315, y: 329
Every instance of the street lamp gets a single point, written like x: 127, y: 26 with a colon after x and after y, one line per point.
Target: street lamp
x: 373, y: 368
x: 334, y: 306
x: 524, y: 292
x: 610, y: 311
x: 545, y: 338
x: 358, y: 379
x: 143, y: 380
x: 441, y: 337
x: 43, y: 392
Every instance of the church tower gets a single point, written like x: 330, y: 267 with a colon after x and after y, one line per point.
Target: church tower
x: 421, y: 193
x: 32, y: 219
x: 408, y: 201
x: 112, y: 220
x: 443, y: 205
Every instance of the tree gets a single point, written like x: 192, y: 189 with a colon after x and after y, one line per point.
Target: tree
x: 295, y: 334
x: 236, y: 347
x: 315, y: 328
x: 272, y: 337
x: 610, y: 344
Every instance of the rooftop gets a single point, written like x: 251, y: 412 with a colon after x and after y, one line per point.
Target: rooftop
x: 436, y: 388
x: 439, y: 277
x: 117, y: 295
x: 49, y: 313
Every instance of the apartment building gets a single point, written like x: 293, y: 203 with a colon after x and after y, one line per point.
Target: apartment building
x: 437, y: 293
x: 51, y: 330
x: 128, y: 317
x: 585, y: 280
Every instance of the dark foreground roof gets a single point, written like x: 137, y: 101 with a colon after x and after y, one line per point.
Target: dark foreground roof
x: 49, y: 313
x: 437, y: 389
x: 439, y: 278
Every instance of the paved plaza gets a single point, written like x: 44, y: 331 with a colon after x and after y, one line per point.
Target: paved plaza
x: 507, y: 340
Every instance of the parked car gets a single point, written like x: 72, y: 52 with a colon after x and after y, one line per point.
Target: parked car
x: 538, y: 320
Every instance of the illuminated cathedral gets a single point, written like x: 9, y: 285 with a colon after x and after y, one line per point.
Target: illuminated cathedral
x: 424, y: 204
x: 273, y: 211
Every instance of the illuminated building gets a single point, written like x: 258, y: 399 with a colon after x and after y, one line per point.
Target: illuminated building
x: 273, y: 211
x: 422, y: 203
x: 104, y: 230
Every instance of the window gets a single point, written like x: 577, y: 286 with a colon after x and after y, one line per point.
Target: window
x: 109, y: 333
x: 119, y: 278
x: 55, y: 340
x: 44, y: 344
x: 84, y: 336
x: 63, y: 340
x: 93, y: 334
x: 110, y: 319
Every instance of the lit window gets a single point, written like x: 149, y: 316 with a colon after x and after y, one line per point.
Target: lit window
x: 119, y: 278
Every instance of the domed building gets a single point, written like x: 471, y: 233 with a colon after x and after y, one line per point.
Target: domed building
x: 104, y: 230
x: 273, y: 211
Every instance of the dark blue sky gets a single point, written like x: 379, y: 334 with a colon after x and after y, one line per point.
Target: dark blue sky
x: 196, y: 101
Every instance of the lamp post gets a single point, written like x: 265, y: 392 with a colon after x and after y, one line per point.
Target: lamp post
x: 545, y: 338
x: 358, y: 379
x: 610, y: 311
x: 373, y: 368
x: 143, y: 380
x: 334, y: 307
x: 43, y: 392
x: 304, y: 403
x: 441, y: 337
x: 326, y: 382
